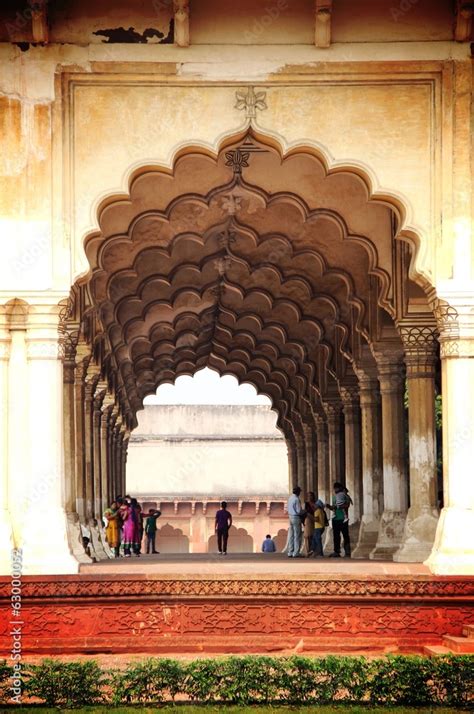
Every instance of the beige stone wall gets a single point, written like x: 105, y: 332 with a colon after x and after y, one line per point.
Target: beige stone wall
x: 213, y: 451
x: 383, y: 120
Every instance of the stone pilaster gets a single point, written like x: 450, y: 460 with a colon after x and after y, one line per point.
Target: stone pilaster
x: 453, y: 549
x: 323, y: 490
x: 395, y: 486
x: 422, y: 518
x: 353, y: 455
x: 6, y: 531
x: 372, y: 465
x: 44, y: 484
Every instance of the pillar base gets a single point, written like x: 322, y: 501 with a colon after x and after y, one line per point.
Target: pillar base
x: 390, y: 535
x: 354, y: 531
x: 368, y: 534
x: 75, y: 538
x: 453, y: 549
x: 96, y: 541
x: 418, y: 537
x: 6, y: 543
x: 48, y: 554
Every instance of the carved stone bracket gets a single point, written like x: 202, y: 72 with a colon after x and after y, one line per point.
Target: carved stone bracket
x: 322, y: 29
x: 464, y: 15
x: 39, y: 21
x: 181, y: 22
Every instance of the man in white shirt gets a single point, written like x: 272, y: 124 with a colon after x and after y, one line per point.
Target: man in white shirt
x: 294, y: 514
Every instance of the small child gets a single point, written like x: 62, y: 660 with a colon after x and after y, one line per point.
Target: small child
x: 343, y: 501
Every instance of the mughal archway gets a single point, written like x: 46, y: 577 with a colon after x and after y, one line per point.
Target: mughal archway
x: 292, y: 278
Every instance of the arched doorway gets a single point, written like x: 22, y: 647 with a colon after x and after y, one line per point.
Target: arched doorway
x: 269, y: 268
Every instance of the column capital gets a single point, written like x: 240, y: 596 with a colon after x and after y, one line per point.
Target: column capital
x: 391, y: 371
x: 349, y: 395
x: 320, y: 423
x: 421, y: 350
x: 455, y: 320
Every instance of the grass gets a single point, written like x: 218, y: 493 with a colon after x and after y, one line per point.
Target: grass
x: 221, y: 709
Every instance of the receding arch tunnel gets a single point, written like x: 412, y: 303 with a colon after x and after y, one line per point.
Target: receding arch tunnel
x: 269, y: 268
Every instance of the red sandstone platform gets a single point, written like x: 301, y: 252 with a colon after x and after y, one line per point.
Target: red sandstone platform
x: 209, y: 604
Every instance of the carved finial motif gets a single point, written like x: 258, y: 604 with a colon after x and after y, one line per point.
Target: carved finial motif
x: 250, y: 101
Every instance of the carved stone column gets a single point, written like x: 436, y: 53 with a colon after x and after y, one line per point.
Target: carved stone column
x: 395, y: 487
x: 111, y: 452
x: 372, y: 465
x: 336, y: 442
x: 6, y: 531
x: 422, y: 518
x: 89, y: 389
x: 82, y: 361
x: 96, y: 447
x: 292, y: 468
x: 453, y: 549
x: 69, y: 349
x: 117, y: 454
x: 44, y: 486
x: 106, y: 494
x: 353, y: 448
x: 126, y: 439
x: 300, y: 459
x: 323, y: 490
x: 311, y: 474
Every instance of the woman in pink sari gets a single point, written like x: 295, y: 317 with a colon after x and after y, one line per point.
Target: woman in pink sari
x: 131, y: 528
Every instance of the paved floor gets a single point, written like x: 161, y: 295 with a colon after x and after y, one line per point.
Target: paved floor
x: 253, y: 564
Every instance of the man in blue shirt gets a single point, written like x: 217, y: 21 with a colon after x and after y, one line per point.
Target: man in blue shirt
x: 268, y: 546
x: 294, y: 532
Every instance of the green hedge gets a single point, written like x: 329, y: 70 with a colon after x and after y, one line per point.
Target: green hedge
x: 392, y: 680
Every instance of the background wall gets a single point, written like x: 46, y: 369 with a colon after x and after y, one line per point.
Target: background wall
x: 218, y: 451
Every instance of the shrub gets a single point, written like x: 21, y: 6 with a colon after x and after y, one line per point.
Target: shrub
x: 394, y: 680
x: 247, y: 680
x: 203, y: 680
x: 153, y: 680
x: 453, y: 679
x: 401, y: 680
x: 69, y: 684
x: 5, y: 680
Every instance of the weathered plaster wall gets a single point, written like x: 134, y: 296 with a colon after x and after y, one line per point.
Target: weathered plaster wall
x: 207, y: 451
x: 66, y: 146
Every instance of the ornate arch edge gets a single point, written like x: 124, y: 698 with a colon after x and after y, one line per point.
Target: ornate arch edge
x: 395, y: 201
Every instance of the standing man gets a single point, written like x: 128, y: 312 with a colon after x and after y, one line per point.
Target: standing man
x: 340, y: 520
x: 222, y: 526
x: 150, y: 531
x: 295, y: 512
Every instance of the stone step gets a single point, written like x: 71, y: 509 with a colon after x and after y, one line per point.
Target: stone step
x: 460, y: 645
x: 436, y: 650
x: 468, y: 631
